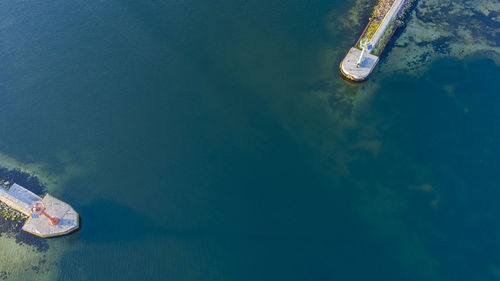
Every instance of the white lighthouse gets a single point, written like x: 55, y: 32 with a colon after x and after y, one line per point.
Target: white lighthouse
x: 365, y: 46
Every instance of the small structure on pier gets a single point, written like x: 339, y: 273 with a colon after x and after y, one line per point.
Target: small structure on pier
x: 47, y: 217
x: 365, y: 46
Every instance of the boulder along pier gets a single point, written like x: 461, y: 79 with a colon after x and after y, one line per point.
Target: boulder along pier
x: 361, y: 59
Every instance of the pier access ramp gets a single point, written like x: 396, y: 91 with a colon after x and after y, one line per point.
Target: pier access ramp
x: 18, y: 197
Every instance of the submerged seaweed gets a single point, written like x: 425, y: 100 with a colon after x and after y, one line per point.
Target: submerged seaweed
x: 440, y: 29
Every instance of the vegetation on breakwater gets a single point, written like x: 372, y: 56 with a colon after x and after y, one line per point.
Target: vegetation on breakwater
x: 378, y: 14
x: 372, y: 28
x: 386, y: 37
x: 10, y: 219
x: 395, y: 24
x: 379, y: 11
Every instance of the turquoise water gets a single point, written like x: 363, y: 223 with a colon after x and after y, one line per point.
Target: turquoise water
x: 215, y: 140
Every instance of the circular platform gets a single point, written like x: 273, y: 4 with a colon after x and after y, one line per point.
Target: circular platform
x: 350, y: 69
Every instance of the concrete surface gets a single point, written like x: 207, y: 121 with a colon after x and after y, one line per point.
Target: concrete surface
x: 351, y: 70
x: 39, y: 225
x: 21, y: 199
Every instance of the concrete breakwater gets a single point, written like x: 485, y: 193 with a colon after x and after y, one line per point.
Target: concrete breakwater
x: 362, y: 58
x: 46, y: 217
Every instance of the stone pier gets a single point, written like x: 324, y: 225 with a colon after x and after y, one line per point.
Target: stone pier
x: 21, y: 199
x: 349, y: 66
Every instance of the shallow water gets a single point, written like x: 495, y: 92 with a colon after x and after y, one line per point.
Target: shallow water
x: 216, y: 140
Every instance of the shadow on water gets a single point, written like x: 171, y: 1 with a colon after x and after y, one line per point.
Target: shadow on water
x: 105, y: 221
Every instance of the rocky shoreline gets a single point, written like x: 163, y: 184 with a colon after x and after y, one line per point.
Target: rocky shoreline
x: 407, y: 5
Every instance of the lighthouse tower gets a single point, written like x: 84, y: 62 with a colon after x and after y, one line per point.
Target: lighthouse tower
x: 365, y: 46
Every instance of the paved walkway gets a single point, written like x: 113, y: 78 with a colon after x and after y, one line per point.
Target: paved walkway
x: 396, y: 6
x: 18, y: 197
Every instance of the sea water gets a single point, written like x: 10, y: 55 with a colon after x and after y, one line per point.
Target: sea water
x: 215, y: 140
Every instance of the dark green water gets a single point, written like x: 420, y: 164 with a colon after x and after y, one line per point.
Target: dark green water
x: 214, y: 140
